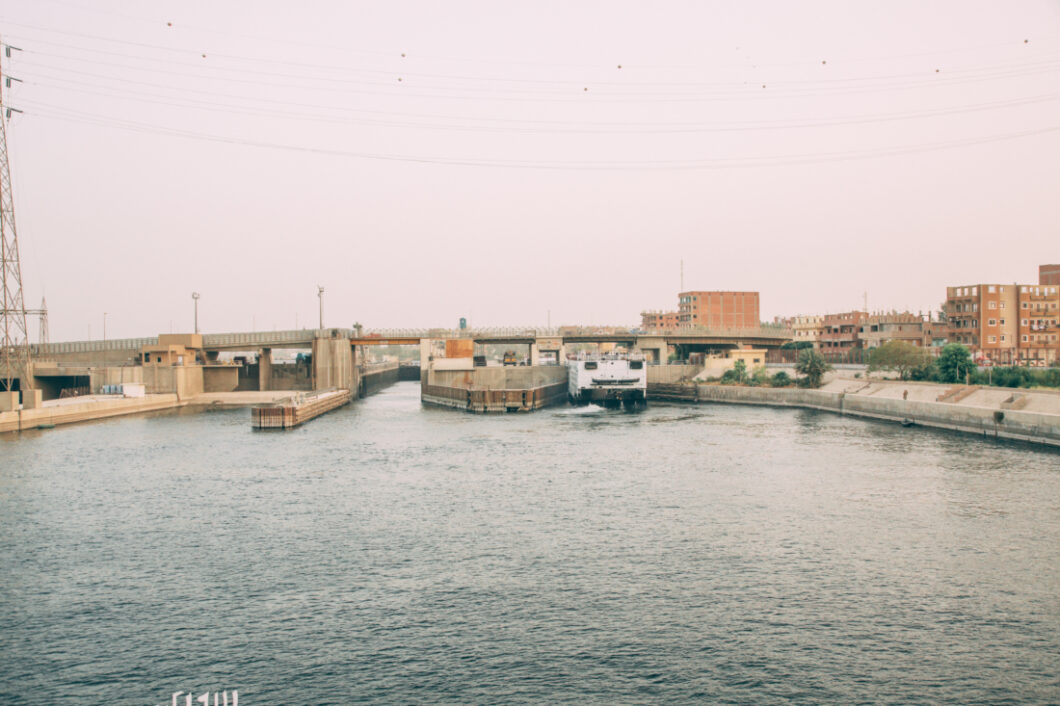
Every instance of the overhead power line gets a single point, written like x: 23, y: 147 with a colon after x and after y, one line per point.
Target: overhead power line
x: 703, y: 163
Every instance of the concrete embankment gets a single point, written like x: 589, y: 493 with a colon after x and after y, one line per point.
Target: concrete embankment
x: 990, y: 412
x: 83, y: 409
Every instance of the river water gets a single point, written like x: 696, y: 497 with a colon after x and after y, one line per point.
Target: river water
x: 391, y: 553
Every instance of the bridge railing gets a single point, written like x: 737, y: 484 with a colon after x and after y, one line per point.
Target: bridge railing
x: 114, y: 344
x: 271, y: 338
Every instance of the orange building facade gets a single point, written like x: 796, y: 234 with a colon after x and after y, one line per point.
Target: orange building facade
x: 718, y: 310
x: 1005, y: 324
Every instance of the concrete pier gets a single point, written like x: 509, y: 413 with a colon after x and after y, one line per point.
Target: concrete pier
x: 298, y: 409
x: 495, y: 389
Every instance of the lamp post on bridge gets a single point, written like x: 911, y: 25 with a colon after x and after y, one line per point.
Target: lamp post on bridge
x: 195, y: 298
x: 320, y: 296
x: 105, y: 356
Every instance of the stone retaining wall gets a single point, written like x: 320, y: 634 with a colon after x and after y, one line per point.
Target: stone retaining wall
x: 1034, y: 427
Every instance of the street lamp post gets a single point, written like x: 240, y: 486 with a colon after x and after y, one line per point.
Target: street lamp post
x: 105, y: 356
x: 195, y: 298
x: 320, y: 296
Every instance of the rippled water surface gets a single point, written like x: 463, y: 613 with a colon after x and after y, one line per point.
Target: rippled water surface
x: 389, y: 553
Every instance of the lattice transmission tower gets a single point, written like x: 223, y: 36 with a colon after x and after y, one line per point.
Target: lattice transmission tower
x: 15, y: 343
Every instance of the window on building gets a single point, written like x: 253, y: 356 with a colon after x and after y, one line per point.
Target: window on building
x: 1002, y: 322
x: 991, y: 289
x: 1023, y: 305
x: 1002, y: 305
x: 993, y: 305
x: 1024, y: 338
x: 992, y: 339
x: 1002, y: 338
x: 991, y: 322
x: 1023, y: 322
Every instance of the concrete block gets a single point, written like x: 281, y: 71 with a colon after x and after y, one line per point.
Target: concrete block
x: 32, y: 399
x: 8, y: 401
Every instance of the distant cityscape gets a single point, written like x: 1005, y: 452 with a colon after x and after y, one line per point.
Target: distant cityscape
x: 1001, y: 324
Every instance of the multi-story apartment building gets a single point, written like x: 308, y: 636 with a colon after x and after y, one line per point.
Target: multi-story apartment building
x: 718, y: 310
x: 1049, y: 274
x: 1005, y: 324
x: 983, y: 317
x: 840, y: 333
x: 935, y: 335
x: 806, y: 328
x: 658, y: 320
x: 1039, y: 312
x: 878, y: 329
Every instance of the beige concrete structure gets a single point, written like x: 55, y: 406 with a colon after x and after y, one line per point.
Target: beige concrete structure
x: 807, y: 328
x: 333, y: 364
x: 9, y: 401
x: 174, y: 349
x: 716, y: 366
x: 655, y: 350
x: 878, y: 329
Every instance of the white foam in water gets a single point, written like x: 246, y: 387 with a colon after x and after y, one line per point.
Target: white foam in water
x: 587, y: 409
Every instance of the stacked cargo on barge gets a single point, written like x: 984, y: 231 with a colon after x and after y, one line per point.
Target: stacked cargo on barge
x: 608, y: 380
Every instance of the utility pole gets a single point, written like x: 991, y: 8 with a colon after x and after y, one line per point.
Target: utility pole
x: 105, y: 356
x: 14, y: 345
x: 320, y: 296
x: 42, y: 336
x: 195, y: 298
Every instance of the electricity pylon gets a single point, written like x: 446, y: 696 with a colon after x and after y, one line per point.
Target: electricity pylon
x: 15, y: 344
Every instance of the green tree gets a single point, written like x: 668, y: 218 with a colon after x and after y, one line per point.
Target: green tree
x: 899, y: 356
x: 813, y: 365
x: 954, y: 363
x: 781, y: 379
x: 737, y: 375
x: 760, y: 377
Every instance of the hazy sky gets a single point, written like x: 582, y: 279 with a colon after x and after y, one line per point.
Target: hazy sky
x: 426, y: 161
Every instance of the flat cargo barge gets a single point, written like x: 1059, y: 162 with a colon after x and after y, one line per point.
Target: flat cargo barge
x: 298, y: 409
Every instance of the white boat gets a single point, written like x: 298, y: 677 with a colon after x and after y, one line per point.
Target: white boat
x: 608, y: 380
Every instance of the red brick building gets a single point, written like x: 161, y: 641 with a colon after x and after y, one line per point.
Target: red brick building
x: 718, y: 310
x: 658, y: 320
x: 1048, y: 274
x: 841, y: 333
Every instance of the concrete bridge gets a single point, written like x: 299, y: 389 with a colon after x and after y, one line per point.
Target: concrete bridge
x: 337, y: 356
